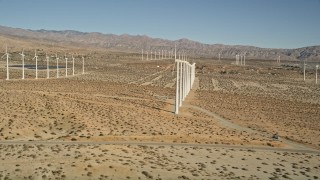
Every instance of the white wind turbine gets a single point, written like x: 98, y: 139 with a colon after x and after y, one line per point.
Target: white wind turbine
x: 22, y: 57
x: 7, y: 54
x: 57, y: 58
x: 65, y: 57
x: 142, y: 55
x: 278, y: 60
x: 36, y: 57
x: 220, y: 54
x: 162, y: 54
x: 175, y: 58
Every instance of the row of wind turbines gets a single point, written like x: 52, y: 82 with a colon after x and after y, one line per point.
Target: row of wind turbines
x: 185, y: 74
x: 241, y: 60
x: 304, y: 69
x: 159, y: 55
x: 7, y: 55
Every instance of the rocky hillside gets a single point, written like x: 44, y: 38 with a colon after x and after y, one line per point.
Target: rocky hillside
x: 136, y: 43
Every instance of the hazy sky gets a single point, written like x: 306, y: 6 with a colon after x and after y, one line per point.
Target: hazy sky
x: 263, y: 23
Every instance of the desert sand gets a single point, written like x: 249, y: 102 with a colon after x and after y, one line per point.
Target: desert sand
x: 116, y: 121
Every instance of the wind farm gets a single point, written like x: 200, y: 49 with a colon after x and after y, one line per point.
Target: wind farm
x: 212, y: 108
x: 146, y: 90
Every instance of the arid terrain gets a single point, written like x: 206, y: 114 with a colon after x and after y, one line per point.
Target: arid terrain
x: 116, y: 120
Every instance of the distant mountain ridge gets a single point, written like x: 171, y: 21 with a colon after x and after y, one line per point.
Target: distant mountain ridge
x: 132, y: 43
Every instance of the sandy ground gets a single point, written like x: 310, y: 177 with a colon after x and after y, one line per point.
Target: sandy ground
x: 153, y: 162
x: 57, y: 128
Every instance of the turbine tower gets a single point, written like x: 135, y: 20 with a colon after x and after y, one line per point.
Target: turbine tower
x: 22, y: 57
x: 175, y: 51
x: 36, y: 57
x: 177, y: 87
x: 57, y: 58
x: 7, y: 54
x: 162, y: 54
x: 65, y: 57
x: 278, y: 60
x: 142, y: 55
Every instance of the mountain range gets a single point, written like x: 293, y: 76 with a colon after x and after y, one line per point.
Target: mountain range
x: 135, y: 43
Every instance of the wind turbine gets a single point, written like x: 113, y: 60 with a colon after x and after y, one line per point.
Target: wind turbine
x: 162, y: 54
x: 7, y: 54
x: 57, y: 58
x: 220, y: 54
x: 47, y: 58
x: 72, y: 65
x: 278, y: 59
x: 165, y: 54
x: 177, y: 87
x: 155, y: 55
x: 142, y: 55
x: 65, y: 57
x: 237, y: 59
x: 36, y: 57
x: 175, y: 58
x: 22, y: 56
